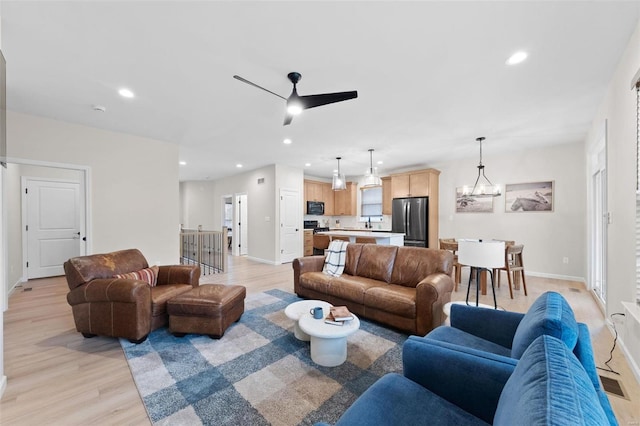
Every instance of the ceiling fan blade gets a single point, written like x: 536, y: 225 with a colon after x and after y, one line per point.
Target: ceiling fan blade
x: 244, y: 80
x: 312, y: 101
x: 288, y: 118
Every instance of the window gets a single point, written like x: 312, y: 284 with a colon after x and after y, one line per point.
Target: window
x: 371, y: 204
x: 638, y: 191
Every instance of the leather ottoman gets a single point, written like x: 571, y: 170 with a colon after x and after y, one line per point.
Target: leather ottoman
x: 208, y: 309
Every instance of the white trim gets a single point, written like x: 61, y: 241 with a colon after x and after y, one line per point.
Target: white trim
x: 3, y: 385
x: 556, y: 276
x: 268, y: 262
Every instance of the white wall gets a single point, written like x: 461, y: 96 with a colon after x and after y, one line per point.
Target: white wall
x: 133, y: 188
x: 547, y: 236
x: 203, y: 205
x: 618, y: 108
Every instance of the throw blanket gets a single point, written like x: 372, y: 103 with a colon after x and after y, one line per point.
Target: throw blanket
x: 336, y: 256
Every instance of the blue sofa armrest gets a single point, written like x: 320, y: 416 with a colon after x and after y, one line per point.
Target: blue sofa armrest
x: 471, y: 379
x: 490, y: 324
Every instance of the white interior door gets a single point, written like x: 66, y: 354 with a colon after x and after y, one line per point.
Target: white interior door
x: 53, y: 213
x: 599, y: 222
x: 289, y: 225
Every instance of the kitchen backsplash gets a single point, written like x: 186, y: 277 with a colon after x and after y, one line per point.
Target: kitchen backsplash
x: 349, y: 222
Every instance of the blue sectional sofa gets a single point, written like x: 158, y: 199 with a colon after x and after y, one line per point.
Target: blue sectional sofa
x: 493, y: 367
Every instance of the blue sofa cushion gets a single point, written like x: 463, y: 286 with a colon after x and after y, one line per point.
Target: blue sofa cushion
x: 462, y: 338
x: 550, y: 314
x: 396, y: 400
x: 549, y: 386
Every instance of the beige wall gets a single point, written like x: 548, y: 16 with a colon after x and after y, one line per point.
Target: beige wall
x: 547, y: 236
x: 133, y: 187
x: 618, y: 109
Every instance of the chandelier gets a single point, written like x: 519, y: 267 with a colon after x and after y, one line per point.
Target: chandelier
x: 371, y: 177
x: 482, y: 188
x: 339, y: 182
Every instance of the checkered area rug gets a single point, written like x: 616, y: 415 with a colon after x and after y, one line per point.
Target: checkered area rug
x: 258, y: 373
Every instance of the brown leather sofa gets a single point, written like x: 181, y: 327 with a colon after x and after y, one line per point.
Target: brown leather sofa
x: 117, y: 307
x: 403, y: 287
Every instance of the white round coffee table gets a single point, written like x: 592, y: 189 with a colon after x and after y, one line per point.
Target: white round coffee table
x: 297, y: 309
x: 328, y: 342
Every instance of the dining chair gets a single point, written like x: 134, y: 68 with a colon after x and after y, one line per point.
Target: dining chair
x: 366, y: 240
x: 320, y: 243
x: 513, y: 265
x: 481, y: 256
x: 452, y: 245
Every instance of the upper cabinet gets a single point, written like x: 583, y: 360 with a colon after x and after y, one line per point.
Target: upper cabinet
x: 386, y: 195
x: 345, y: 202
x: 313, y: 191
x: 419, y: 183
x: 319, y: 191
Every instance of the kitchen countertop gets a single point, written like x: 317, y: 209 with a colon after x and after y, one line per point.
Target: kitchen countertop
x: 360, y: 229
x: 363, y: 233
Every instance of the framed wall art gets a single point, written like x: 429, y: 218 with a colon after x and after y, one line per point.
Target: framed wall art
x: 471, y: 204
x: 529, y: 197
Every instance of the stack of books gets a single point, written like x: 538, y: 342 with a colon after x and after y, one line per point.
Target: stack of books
x: 338, y: 315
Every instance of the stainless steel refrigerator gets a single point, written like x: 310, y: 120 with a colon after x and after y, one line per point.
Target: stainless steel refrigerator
x: 410, y: 216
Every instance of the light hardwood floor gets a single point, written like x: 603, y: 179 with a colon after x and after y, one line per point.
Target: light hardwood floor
x: 57, y: 377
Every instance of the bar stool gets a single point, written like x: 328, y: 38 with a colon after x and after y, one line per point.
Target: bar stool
x: 451, y: 245
x: 481, y: 257
x: 320, y: 243
x: 339, y: 237
x: 366, y: 240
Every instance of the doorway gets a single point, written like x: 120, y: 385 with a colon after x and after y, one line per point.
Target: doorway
x: 53, y: 225
x: 599, y: 220
x: 240, y: 228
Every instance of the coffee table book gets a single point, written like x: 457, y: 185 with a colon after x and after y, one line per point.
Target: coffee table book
x: 340, y: 313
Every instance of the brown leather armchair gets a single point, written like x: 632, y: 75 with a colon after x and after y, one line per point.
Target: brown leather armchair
x: 118, y: 307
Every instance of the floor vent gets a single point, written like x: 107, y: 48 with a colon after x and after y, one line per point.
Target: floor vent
x: 613, y: 387
x: 27, y: 289
x: 575, y: 290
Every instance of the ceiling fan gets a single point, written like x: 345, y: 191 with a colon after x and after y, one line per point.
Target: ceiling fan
x: 296, y: 103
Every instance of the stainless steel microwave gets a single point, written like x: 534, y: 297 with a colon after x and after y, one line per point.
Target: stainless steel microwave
x: 315, y: 207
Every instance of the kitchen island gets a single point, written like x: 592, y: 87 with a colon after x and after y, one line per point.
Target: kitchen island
x: 384, y: 238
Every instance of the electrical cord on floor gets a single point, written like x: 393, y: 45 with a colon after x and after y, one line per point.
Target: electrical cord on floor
x: 609, y: 369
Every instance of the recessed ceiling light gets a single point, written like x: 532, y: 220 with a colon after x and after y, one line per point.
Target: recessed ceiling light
x: 287, y: 141
x: 516, y: 58
x: 307, y: 164
x: 126, y: 93
x: 99, y: 108
x: 239, y: 166
x: 379, y: 162
x: 183, y: 163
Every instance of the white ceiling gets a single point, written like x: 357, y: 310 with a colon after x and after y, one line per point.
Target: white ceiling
x: 431, y: 76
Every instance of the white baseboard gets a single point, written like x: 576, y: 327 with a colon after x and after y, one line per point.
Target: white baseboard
x: 270, y: 262
x: 18, y: 283
x: 556, y: 276
x: 627, y: 354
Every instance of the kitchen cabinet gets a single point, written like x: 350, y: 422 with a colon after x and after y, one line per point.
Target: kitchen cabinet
x: 345, y: 202
x: 328, y: 198
x: 413, y: 184
x: 386, y: 195
x: 308, y: 242
x: 312, y: 191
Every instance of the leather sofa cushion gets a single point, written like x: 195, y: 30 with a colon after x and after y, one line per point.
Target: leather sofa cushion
x: 161, y: 294
x: 352, y: 288
x: 376, y: 262
x: 316, y: 281
x: 412, y: 266
x: 353, y: 255
x: 82, y: 269
x: 392, y: 298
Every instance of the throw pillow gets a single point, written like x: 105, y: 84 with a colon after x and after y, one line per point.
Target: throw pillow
x: 336, y: 257
x: 148, y: 275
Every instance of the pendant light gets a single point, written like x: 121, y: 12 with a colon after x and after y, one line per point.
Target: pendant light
x: 339, y: 182
x: 481, y: 189
x: 371, y: 177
